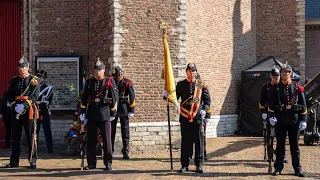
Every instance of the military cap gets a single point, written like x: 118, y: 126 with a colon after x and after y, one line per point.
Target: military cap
x: 98, y: 64
x: 116, y: 70
x: 41, y: 73
x: 275, y: 72
x: 23, y: 62
x: 192, y: 67
x: 286, y: 67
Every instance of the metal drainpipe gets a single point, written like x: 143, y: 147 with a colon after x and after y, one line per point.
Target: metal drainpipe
x: 88, y: 36
x: 25, y: 29
x: 30, y: 33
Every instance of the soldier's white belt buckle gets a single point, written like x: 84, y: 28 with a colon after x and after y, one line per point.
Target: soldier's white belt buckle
x: 97, y: 100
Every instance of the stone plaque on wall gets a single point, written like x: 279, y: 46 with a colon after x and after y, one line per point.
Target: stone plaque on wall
x: 63, y: 75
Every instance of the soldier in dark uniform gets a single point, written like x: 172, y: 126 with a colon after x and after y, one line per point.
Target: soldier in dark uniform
x: 101, y: 97
x: 205, y: 121
x: 6, y: 116
x: 125, y: 109
x: 288, y: 111
x: 195, y: 102
x: 43, y: 101
x: 264, y: 101
x: 20, y: 93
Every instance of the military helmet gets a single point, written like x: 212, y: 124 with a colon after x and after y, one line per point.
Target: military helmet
x: 275, y: 72
x: 286, y: 67
x: 192, y: 67
x: 23, y: 62
x: 98, y: 64
x: 116, y: 72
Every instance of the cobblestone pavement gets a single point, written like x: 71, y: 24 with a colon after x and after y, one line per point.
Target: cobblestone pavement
x: 229, y: 158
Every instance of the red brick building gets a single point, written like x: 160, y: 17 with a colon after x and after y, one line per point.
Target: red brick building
x: 221, y: 37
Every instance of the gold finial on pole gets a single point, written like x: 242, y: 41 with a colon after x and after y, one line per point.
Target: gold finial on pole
x: 163, y: 25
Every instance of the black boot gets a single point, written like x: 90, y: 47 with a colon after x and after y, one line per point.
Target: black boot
x: 11, y: 165
x: 89, y: 167
x: 276, y: 172
x: 298, y: 173
x: 108, y: 168
x: 126, y: 155
x: 183, y: 169
x: 285, y: 160
x: 199, y: 169
x: 33, y: 166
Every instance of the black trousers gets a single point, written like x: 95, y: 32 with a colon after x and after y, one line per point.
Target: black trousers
x: 204, y: 142
x: 46, y: 125
x: 191, y: 133
x: 293, y: 133
x: 7, y: 124
x: 92, y: 139
x: 17, y: 125
x: 125, y: 133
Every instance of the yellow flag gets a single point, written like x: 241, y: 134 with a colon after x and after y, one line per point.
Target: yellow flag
x: 168, y: 73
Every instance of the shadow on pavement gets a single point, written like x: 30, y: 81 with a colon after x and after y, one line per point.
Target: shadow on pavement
x: 235, y: 146
x: 76, y: 172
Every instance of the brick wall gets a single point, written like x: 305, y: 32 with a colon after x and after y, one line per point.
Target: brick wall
x: 221, y: 41
x: 59, y: 28
x: 100, y: 33
x: 312, y: 51
x: 280, y: 31
x: 142, y: 51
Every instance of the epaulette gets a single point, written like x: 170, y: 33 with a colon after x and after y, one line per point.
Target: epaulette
x: 300, y: 88
x: 109, y: 84
x: 128, y: 82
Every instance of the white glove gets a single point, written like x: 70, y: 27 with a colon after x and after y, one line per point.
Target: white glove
x: 302, y: 125
x: 165, y: 93
x: 205, y: 120
x: 203, y: 114
x: 273, y: 121
x: 130, y: 114
x: 82, y: 117
x: 112, y: 118
x: 264, y: 116
x: 19, y: 108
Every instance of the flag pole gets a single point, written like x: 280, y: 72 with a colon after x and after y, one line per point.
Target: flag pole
x: 169, y: 128
x: 164, y: 26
